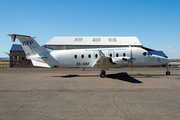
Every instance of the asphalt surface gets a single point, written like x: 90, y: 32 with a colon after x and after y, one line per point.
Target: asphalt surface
x: 73, y: 94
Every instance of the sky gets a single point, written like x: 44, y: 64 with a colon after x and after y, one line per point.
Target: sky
x: 156, y: 23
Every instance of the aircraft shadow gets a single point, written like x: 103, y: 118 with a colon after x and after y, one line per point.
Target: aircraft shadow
x: 119, y: 76
x: 70, y: 76
x: 123, y: 77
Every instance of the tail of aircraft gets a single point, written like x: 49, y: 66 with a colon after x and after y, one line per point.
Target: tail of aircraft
x: 29, y: 45
x: 31, y: 49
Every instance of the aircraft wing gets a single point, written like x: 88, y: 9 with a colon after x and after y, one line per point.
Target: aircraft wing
x: 104, y: 62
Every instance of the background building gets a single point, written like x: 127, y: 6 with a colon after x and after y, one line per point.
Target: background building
x: 18, y: 57
x: 63, y: 43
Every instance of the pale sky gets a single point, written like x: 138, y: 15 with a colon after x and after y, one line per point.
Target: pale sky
x: 156, y: 23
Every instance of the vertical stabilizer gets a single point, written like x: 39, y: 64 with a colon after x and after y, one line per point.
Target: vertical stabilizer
x: 29, y: 45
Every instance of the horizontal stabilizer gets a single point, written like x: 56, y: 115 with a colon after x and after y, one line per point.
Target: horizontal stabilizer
x: 43, y: 56
x: 14, y: 36
x: 40, y: 64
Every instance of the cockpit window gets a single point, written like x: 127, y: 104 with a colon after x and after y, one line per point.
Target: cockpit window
x: 144, y: 53
x: 149, y: 53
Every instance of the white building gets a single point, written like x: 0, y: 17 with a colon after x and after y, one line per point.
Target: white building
x: 61, y: 43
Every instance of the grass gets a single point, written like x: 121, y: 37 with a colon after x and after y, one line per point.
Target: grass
x: 4, y: 64
x: 176, y: 60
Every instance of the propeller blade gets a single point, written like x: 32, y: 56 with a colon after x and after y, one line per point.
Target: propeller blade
x: 131, y: 58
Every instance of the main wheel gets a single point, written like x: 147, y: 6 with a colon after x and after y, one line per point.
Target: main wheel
x: 102, y: 75
x: 168, y: 73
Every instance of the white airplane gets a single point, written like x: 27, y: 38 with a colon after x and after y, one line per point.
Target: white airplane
x: 103, y: 58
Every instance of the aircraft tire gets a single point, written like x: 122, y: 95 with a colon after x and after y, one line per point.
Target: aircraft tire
x: 168, y: 73
x: 102, y: 75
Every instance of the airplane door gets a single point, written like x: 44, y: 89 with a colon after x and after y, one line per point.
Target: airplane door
x: 111, y: 53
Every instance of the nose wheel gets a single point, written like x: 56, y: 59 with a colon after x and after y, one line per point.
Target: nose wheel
x: 167, y: 72
x: 103, y: 74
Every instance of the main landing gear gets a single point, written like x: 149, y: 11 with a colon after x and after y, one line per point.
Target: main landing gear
x: 103, y: 74
x: 167, y: 72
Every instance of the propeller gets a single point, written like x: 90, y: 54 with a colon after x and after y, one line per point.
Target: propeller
x: 130, y: 59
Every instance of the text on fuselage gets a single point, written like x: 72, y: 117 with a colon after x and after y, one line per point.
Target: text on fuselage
x: 82, y: 64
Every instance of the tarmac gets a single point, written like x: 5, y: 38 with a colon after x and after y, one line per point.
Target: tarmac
x: 73, y: 94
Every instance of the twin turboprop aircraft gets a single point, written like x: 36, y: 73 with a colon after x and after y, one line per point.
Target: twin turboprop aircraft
x: 103, y: 58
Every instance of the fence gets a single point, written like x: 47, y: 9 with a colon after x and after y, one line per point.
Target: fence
x: 4, y: 64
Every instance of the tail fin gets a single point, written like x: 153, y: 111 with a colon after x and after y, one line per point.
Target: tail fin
x: 32, y: 50
x: 29, y: 45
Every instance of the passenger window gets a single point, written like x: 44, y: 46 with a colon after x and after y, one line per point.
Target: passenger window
x: 82, y: 56
x: 117, y: 55
x: 110, y: 55
x: 75, y: 56
x: 124, y: 54
x: 96, y: 55
x: 89, y: 56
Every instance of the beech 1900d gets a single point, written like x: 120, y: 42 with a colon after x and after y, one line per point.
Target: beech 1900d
x: 89, y: 58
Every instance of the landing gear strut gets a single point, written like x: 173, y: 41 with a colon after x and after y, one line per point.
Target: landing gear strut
x: 167, y: 72
x: 103, y: 74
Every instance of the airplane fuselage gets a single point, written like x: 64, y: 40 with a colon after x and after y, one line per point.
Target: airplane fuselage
x: 89, y: 57
x: 103, y: 58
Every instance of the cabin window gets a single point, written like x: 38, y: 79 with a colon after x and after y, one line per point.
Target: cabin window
x: 124, y: 54
x: 96, y: 55
x: 117, y: 55
x: 75, y: 56
x: 89, y: 56
x: 82, y: 56
x: 110, y: 54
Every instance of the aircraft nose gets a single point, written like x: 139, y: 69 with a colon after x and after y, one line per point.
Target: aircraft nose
x: 165, y: 60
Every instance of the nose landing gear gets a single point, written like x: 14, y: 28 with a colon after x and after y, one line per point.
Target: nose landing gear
x: 167, y: 72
